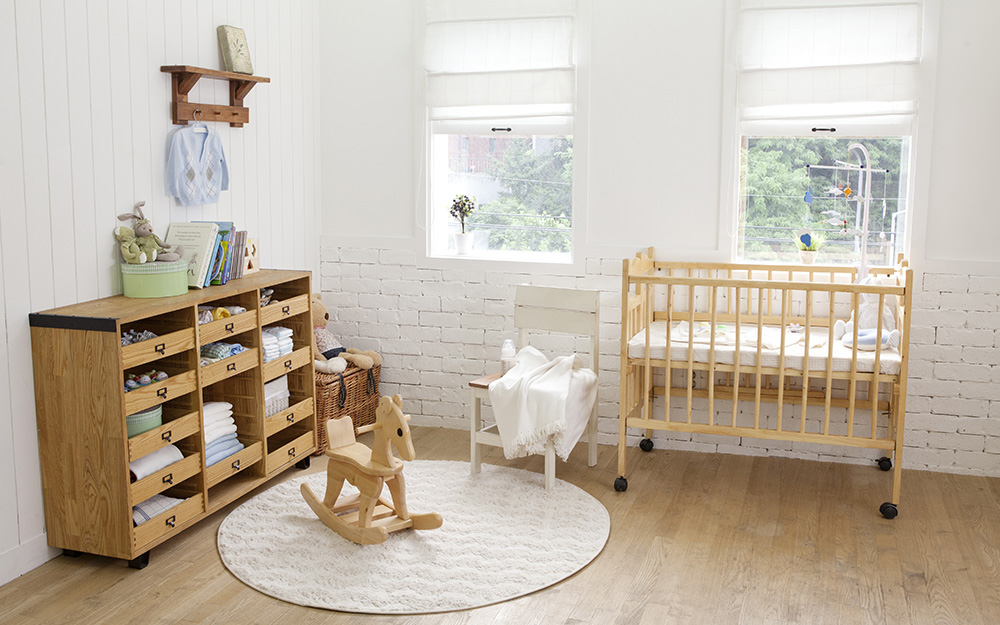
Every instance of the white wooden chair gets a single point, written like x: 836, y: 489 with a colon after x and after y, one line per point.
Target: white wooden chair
x: 546, y: 309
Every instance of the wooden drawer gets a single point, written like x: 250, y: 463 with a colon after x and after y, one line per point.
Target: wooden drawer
x: 228, y: 367
x: 289, y: 416
x: 224, y: 329
x: 152, y: 349
x: 165, y: 478
x: 148, y: 396
x: 289, y: 362
x: 274, y: 313
x: 235, y: 463
x: 170, y: 432
x: 167, y: 522
x: 298, y: 448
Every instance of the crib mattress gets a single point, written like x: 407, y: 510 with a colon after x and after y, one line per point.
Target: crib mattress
x: 725, y: 349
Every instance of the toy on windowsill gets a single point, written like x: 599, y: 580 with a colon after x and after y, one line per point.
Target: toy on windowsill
x: 868, y: 323
x: 139, y: 245
x: 328, y: 354
x: 808, y: 245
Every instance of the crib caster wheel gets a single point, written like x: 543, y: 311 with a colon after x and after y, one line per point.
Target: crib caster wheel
x: 884, y: 463
x: 621, y: 484
x: 888, y: 510
x: 646, y: 444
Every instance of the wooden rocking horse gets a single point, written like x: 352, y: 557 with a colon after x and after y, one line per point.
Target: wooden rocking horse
x: 367, y: 517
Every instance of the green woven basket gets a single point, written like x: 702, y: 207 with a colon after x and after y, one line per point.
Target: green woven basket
x: 144, y: 421
x: 154, y: 279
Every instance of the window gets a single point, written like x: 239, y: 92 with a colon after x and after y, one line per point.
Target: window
x: 817, y: 80
x: 501, y: 92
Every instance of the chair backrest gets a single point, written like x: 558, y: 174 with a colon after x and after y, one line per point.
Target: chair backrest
x: 556, y: 309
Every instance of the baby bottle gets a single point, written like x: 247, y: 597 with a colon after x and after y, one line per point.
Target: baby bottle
x: 507, y: 355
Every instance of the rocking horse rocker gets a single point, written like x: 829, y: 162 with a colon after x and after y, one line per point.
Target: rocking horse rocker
x: 367, y: 517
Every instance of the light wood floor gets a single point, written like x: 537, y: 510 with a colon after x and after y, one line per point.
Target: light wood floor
x: 697, y: 538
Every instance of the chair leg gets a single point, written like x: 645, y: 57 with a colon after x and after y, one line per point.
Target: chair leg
x: 592, y: 439
x: 550, y: 464
x: 475, y: 424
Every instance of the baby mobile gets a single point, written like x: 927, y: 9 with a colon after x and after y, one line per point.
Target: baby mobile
x: 862, y: 196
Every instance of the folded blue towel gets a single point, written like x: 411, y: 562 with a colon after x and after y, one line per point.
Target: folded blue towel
x: 224, y: 453
x: 219, y: 443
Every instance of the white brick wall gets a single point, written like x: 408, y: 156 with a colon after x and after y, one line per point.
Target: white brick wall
x: 438, y: 328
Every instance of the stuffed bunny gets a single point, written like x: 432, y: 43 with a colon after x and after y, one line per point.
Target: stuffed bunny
x: 868, y: 323
x: 150, y: 245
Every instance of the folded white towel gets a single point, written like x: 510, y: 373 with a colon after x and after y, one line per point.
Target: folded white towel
x: 279, y: 331
x: 213, y: 407
x: 151, y: 463
x: 157, y: 504
x: 219, y: 417
x: 216, y: 432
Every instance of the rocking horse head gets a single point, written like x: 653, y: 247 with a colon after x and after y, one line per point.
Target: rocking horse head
x: 392, y: 427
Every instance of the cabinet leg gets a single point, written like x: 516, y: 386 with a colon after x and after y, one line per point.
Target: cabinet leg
x: 69, y: 553
x: 139, y: 562
x: 303, y: 464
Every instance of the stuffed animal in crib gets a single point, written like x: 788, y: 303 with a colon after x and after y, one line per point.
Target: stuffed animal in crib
x: 868, y: 321
x: 329, y: 356
x: 151, y: 247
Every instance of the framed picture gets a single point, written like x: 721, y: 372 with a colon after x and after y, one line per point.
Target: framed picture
x: 235, y: 50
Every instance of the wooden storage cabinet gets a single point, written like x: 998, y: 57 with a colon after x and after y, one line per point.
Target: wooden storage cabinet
x: 79, y: 369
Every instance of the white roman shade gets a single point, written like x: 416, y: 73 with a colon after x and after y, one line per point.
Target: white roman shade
x: 500, y: 59
x: 804, y: 59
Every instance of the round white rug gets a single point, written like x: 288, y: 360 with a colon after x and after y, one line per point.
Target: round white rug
x: 503, y: 536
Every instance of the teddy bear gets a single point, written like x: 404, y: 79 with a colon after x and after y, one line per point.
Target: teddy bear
x: 329, y: 356
x: 151, y: 247
x: 868, y: 322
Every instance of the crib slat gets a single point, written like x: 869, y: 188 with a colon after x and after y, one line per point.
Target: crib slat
x: 713, y: 302
x: 760, y: 338
x: 829, y: 366
x: 690, y: 370
x: 873, y: 385
x: 647, y: 372
x: 781, y: 353
x: 667, y: 381
x: 853, y: 384
x: 805, y: 358
x: 736, y: 357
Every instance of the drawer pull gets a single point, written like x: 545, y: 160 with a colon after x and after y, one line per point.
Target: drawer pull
x: 288, y: 364
x: 166, y: 436
x: 160, y: 349
x: 168, y: 478
x: 236, y: 464
x: 162, y: 393
x: 230, y: 327
x: 285, y: 309
x: 291, y: 418
x: 172, y: 520
x: 231, y: 366
x: 291, y: 452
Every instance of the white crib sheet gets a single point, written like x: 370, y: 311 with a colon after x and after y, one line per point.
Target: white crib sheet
x: 725, y: 349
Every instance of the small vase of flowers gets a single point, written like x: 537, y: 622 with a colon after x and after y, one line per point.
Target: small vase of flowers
x: 808, y: 245
x: 461, y: 206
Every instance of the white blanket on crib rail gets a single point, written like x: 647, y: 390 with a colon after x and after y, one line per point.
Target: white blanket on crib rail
x: 530, y: 403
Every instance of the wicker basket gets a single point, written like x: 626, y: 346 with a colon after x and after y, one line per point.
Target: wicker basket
x: 353, y: 393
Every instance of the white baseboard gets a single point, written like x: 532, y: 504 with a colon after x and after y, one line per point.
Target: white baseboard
x: 25, y: 557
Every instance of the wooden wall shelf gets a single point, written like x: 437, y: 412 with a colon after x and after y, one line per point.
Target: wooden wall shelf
x: 184, y: 77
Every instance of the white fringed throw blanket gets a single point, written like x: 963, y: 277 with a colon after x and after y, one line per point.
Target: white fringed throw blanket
x: 530, y: 403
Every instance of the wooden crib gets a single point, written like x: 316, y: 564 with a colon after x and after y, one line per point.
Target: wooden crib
x: 750, y: 351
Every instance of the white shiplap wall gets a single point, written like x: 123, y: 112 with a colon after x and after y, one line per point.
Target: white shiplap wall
x: 84, y: 134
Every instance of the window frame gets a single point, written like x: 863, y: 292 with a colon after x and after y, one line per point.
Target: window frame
x: 903, y: 126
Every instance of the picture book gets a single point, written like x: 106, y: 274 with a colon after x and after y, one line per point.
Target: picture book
x: 215, y: 267
x: 226, y: 230
x: 198, y: 240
